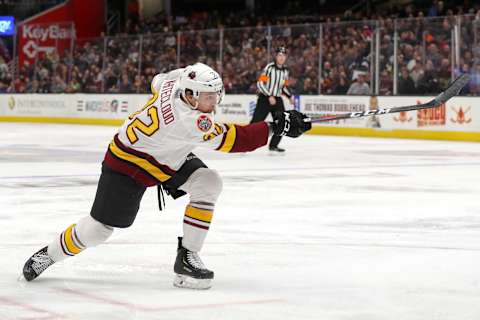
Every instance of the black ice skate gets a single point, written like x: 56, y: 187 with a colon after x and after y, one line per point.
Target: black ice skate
x: 276, y: 150
x: 37, y: 263
x: 190, y: 272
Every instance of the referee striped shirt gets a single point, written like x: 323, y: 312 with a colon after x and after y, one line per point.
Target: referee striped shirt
x: 274, y: 81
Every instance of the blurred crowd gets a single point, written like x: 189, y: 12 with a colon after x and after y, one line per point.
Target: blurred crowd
x: 343, y: 62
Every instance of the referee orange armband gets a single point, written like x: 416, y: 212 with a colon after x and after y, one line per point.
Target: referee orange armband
x: 263, y: 78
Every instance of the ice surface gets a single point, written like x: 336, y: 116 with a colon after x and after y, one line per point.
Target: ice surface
x: 338, y: 228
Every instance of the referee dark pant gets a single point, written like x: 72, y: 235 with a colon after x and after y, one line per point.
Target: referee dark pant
x: 262, y: 110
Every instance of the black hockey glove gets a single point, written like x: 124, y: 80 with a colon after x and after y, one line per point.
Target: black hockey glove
x: 290, y: 123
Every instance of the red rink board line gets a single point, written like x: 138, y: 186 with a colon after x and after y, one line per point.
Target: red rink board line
x: 136, y: 307
x: 42, y: 313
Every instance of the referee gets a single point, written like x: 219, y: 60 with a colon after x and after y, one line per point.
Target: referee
x: 272, y: 83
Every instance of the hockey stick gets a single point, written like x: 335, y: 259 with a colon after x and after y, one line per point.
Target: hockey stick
x: 443, y: 97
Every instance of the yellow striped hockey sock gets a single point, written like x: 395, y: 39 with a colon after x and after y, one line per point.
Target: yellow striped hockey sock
x: 70, y: 243
x: 196, y: 222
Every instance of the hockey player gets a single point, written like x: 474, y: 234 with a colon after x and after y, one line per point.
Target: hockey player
x: 153, y: 148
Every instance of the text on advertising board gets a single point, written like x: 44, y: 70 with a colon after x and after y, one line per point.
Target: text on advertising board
x: 431, y: 117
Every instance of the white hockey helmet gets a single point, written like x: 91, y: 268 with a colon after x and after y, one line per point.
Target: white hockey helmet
x: 201, y: 78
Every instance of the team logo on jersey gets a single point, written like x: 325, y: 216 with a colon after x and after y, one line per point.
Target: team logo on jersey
x: 204, y: 123
x: 215, y: 133
x: 192, y: 75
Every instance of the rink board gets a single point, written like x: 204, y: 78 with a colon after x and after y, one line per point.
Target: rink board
x: 459, y: 119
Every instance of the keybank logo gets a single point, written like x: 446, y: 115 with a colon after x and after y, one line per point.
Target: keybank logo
x: 30, y: 31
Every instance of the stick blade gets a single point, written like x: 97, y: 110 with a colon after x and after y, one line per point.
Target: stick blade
x: 452, y: 90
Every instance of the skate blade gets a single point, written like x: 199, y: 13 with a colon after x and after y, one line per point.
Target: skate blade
x: 183, y: 281
x: 275, y: 153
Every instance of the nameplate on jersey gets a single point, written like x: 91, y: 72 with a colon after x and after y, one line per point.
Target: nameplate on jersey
x: 166, y: 91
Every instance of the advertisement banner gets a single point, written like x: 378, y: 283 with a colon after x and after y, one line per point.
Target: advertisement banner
x: 31, y: 105
x: 462, y: 114
x: 102, y: 106
x: 239, y: 108
x: 107, y: 106
x: 54, y: 30
x: 326, y: 106
x: 38, y: 40
x: 236, y: 108
x: 458, y: 114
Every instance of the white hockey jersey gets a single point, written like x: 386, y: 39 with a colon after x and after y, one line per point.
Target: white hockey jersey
x: 156, y: 140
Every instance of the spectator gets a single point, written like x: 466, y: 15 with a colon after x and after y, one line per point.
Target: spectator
x: 437, y: 9
x: 405, y: 84
x: 33, y: 87
x: 346, y: 46
x: 342, y: 87
x: 308, y: 87
x: 124, y: 85
x: 359, y: 87
x: 58, y: 85
x: 386, y: 83
x: 429, y: 84
x: 74, y: 86
x: 417, y: 74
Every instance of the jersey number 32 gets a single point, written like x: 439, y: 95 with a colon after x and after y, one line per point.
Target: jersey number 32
x: 138, y: 126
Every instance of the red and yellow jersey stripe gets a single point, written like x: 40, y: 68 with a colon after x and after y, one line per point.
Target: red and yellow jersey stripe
x: 237, y: 138
x: 138, y: 165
